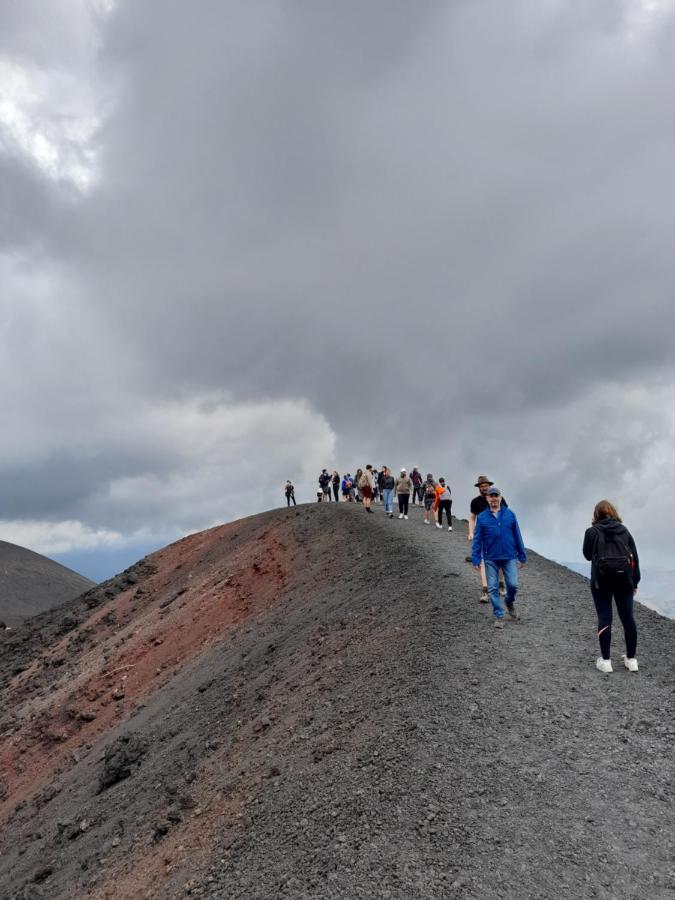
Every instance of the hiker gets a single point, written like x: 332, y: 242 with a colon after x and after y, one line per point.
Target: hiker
x: 347, y: 488
x: 615, y: 572
x: 366, y: 487
x: 478, y: 505
x: 403, y: 487
x: 375, y: 476
x: 324, y: 482
x: 429, y: 497
x: 289, y: 490
x: 416, y: 479
x: 388, y: 484
x: 380, y: 482
x: 443, y: 503
x: 498, y: 542
x: 357, y: 485
x: 335, y: 479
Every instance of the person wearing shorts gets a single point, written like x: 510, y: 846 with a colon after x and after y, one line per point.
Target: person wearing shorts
x: 429, y: 497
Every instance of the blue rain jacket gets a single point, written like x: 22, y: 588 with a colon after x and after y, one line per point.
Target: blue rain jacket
x: 497, y: 537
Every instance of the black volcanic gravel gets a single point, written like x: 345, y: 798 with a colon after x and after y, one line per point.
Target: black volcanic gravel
x: 387, y: 742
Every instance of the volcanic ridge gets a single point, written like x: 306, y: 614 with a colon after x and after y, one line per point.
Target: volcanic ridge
x: 312, y: 703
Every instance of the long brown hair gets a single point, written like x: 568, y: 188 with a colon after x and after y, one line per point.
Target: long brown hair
x: 605, y: 510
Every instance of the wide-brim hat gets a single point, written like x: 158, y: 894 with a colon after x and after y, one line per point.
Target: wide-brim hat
x: 483, y: 479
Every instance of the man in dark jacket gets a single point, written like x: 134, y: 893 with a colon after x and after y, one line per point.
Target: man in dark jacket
x: 498, y: 542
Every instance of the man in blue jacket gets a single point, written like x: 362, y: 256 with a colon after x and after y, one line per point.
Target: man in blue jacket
x: 498, y: 542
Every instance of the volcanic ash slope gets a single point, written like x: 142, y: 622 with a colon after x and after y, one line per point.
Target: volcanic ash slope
x: 31, y: 583
x: 312, y: 703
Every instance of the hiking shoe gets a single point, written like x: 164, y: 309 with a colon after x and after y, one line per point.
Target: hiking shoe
x: 603, y: 665
x: 400, y: 515
x: 511, y: 609
x: 484, y: 597
x: 499, y: 623
x: 630, y: 664
x: 391, y: 515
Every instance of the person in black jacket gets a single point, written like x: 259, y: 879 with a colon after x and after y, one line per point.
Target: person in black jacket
x: 615, y: 573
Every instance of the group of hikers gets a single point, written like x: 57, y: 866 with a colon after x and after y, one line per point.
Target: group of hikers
x: 497, y: 547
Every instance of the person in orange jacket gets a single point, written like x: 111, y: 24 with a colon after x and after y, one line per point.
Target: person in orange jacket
x: 443, y: 502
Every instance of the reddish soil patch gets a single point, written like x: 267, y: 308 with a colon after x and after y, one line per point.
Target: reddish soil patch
x: 122, y: 653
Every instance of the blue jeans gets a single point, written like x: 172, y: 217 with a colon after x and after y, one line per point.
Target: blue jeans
x: 510, y: 569
x: 388, y: 497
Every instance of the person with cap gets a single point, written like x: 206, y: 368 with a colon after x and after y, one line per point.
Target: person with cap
x: 478, y: 505
x: 497, y: 541
x: 443, y: 502
x: 403, y: 489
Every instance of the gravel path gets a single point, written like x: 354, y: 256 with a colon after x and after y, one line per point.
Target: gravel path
x: 465, y: 761
x: 369, y: 734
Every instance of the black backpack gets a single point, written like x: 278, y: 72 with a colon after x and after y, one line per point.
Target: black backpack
x: 612, y: 556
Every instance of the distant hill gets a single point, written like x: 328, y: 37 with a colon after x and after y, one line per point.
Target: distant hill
x: 31, y: 583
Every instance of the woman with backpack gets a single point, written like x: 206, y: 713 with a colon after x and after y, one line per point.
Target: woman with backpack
x: 615, y: 573
x: 429, y: 495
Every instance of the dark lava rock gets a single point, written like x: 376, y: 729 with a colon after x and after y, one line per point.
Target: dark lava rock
x: 119, y: 757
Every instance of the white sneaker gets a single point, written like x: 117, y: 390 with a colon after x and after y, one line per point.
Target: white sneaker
x: 426, y: 521
x: 449, y: 527
x: 438, y: 526
x: 405, y: 517
x: 400, y: 515
x: 603, y: 665
x: 630, y: 664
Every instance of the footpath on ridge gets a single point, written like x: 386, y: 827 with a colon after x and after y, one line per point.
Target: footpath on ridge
x: 364, y: 733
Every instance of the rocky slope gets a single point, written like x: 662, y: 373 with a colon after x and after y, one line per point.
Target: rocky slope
x: 31, y: 583
x: 312, y: 703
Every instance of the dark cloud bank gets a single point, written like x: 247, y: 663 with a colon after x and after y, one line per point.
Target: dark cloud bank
x: 316, y: 234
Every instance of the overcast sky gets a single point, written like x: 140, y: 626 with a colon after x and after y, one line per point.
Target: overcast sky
x: 240, y: 241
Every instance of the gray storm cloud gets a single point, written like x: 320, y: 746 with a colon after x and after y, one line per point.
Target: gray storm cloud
x: 441, y: 234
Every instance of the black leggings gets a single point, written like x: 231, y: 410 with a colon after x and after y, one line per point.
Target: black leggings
x: 290, y: 497
x: 336, y: 492
x: 447, y: 506
x: 403, y: 503
x: 622, y: 591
